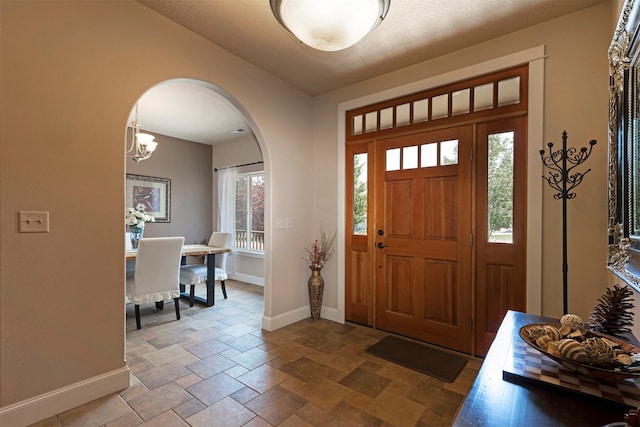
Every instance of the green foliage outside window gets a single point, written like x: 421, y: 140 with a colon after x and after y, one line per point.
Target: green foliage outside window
x: 500, y: 185
x: 360, y: 194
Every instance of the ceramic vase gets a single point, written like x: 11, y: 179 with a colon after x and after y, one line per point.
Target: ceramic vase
x: 316, y: 288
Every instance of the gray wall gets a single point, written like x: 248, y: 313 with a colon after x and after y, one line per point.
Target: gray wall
x: 188, y: 166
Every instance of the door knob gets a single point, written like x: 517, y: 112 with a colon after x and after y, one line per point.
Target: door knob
x: 381, y: 245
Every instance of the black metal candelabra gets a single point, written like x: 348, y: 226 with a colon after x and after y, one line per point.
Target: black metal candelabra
x: 564, y: 179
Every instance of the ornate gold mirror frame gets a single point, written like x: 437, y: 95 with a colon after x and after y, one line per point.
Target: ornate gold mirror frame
x: 624, y: 148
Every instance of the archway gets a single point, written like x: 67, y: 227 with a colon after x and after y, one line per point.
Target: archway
x: 190, y: 117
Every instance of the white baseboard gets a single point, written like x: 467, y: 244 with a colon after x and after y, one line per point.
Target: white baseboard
x: 330, y: 314
x: 57, y: 401
x: 254, y: 280
x: 272, y: 323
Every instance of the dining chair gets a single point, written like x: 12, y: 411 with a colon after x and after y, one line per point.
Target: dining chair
x: 194, y: 274
x: 156, y: 276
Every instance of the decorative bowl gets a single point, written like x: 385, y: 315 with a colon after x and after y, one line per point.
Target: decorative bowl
x: 586, y: 368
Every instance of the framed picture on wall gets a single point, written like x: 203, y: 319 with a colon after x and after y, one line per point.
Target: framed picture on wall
x: 153, y: 193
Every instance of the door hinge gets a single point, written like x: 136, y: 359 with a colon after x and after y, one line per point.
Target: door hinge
x: 471, y: 324
x: 471, y: 153
x: 471, y: 240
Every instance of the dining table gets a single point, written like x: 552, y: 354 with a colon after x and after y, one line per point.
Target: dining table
x: 209, y: 252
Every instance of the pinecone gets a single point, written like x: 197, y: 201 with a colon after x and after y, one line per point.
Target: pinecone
x: 613, y: 314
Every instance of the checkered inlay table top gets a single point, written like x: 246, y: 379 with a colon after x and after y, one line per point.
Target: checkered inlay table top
x: 525, y: 363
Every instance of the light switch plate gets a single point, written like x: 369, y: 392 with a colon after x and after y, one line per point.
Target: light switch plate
x: 33, y: 222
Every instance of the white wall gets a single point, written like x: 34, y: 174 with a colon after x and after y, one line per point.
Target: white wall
x: 71, y: 72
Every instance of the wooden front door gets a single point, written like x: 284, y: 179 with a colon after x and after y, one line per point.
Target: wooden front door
x: 422, y: 236
x: 437, y: 246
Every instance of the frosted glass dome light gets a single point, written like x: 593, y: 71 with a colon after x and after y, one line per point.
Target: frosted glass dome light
x: 330, y: 25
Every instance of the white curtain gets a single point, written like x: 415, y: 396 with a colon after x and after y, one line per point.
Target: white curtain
x: 227, y: 209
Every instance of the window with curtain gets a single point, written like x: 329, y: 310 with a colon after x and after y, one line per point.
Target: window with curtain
x: 249, y: 212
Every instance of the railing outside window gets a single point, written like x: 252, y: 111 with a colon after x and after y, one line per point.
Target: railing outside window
x: 254, y: 243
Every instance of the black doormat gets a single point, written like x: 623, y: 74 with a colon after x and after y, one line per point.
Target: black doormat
x: 436, y: 363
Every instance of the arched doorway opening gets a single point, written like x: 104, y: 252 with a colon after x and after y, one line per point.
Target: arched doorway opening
x: 201, y: 129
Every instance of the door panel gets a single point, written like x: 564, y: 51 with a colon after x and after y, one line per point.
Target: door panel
x: 440, y: 215
x: 399, y: 221
x: 360, y: 271
x: 499, y: 280
x: 441, y: 286
x: 399, y: 298
x: 423, y: 257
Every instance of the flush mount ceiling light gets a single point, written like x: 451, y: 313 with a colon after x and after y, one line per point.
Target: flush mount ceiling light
x: 330, y: 24
x: 142, y: 144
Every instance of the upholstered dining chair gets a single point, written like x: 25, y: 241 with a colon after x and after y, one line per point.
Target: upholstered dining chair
x: 194, y: 274
x: 157, y: 274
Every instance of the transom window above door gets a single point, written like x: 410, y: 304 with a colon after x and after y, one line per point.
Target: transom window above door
x: 503, y: 92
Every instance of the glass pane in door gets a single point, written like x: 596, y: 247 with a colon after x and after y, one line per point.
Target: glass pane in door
x: 393, y: 159
x: 500, y: 188
x: 429, y: 155
x: 410, y: 157
x: 360, y: 194
x: 449, y: 152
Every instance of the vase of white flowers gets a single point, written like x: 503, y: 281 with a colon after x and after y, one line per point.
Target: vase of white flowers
x: 135, y: 219
x: 320, y: 252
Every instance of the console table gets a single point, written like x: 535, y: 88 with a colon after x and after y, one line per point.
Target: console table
x: 493, y: 401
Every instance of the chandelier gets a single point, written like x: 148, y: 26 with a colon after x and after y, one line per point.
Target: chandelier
x: 330, y: 25
x: 142, y: 145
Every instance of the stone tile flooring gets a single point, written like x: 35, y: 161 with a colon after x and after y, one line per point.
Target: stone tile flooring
x: 216, y: 367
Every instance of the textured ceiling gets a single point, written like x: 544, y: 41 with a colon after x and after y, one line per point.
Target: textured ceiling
x: 413, y: 31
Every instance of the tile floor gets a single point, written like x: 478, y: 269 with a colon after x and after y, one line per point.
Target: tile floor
x: 216, y: 367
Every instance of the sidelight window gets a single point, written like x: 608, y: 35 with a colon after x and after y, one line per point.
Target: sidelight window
x: 500, y: 188
x: 360, y: 188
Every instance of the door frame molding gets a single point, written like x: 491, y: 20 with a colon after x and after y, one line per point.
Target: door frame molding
x: 535, y: 58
